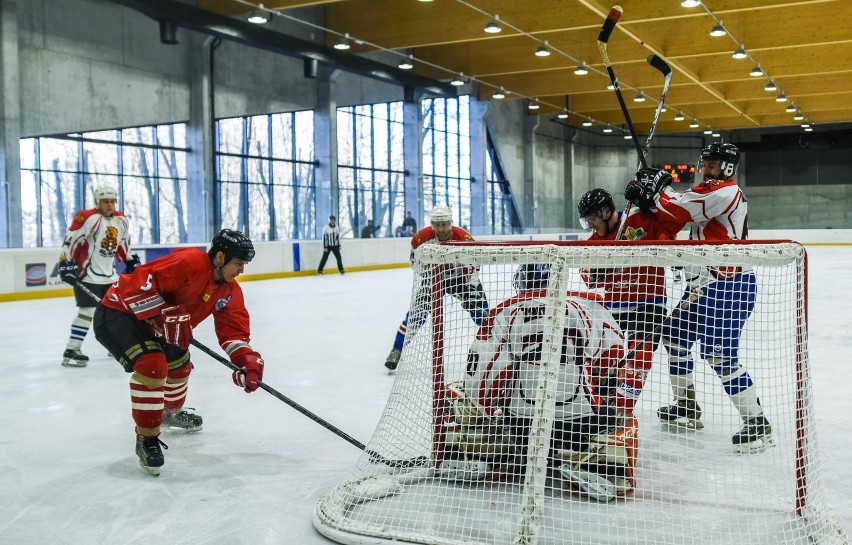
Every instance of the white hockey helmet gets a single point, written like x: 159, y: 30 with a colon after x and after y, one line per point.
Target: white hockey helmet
x: 105, y: 192
x: 441, y: 213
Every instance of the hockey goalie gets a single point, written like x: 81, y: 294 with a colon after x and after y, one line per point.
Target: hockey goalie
x: 593, y: 444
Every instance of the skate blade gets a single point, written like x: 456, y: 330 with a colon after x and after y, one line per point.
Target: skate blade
x: 754, y: 447
x: 73, y: 363
x: 176, y: 429
x: 683, y: 424
x: 155, y: 471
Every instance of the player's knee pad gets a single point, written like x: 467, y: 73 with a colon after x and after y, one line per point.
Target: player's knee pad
x: 86, y: 313
x: 180, y: 367
x: 151, y: 369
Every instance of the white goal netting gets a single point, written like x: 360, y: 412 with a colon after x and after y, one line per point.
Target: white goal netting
x: 534, y: 402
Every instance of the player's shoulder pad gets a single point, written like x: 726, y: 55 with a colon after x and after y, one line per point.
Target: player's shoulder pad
x: 118, y: 213
x: 709, y: 186
x: 421, y: 236
x: 81, y: 217
x: 461, y: 234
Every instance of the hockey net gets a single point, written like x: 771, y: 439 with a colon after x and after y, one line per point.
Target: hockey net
x: 449, y: 462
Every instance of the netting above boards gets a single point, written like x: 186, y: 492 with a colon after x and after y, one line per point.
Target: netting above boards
x: 530, y: 402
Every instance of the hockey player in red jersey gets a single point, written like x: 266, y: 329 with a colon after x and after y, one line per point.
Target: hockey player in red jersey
x: 146, y: 321
x: 95, y: 239
x: 460, y: 282
x: 593, y: 446
x: 636, y: 296
x: 715, y: 209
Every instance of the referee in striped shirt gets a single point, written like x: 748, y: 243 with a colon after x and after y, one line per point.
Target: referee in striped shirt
x: 331, y: 243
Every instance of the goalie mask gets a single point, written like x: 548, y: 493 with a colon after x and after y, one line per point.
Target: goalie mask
x: 531, y: 277
x: 233, y: 244
x: 727, y: 154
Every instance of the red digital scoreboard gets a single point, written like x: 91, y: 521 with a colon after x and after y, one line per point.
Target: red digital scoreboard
x: 681, y: 174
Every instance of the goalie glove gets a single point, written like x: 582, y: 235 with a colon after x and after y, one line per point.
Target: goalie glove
x: 68, y: 272
x: 250, y: 372
x: 173, y: 325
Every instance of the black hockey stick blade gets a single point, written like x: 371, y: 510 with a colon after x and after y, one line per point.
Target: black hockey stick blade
x: 658, y: 63
x: 611, y: 19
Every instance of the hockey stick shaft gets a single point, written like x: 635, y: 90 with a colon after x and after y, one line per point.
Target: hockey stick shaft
x: 666, y: 70
x: 603, y: 39
x: 278, y: 395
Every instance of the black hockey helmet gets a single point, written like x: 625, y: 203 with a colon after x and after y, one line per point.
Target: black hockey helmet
x: 234, y: 244
x: 592, y: 203
x: 531, y: 277
x: 726, y: 153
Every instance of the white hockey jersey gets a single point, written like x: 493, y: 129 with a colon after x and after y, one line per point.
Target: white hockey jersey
x: 504, y: 360
x: 94, y: 241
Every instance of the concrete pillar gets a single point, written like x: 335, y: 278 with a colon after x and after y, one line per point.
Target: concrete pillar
x: 11, y: 221
x: 478, y: 191
x: 531, y: 223
x: 325, y: 150
x: 412, y: 144
x: 201, y: 162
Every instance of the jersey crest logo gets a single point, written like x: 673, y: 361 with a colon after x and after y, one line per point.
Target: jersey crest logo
x: 635, y: 234
x: 206, y: 297
x: 110, y: 241
x: 220, y: 304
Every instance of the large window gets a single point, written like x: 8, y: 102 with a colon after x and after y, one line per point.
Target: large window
x: 371, y: 168
x: 147, y: 165
x: 502, y: 209
x: 446, y: 156
x: 266, y: 175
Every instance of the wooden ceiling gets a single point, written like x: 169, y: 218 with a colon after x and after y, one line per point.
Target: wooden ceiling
x: 804, y: 46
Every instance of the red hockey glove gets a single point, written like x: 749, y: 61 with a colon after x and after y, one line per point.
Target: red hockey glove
x: 251, y: 370
x: 173, y: 325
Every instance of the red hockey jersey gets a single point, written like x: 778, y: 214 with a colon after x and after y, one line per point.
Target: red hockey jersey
x: 184, y: 277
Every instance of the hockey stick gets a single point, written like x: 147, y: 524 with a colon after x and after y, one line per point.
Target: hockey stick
x: 666, y: 70
x: 374, y: 456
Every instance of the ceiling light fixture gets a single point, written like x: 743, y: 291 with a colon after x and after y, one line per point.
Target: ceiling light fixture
x: 343, y: 43
x: 809, y: 129
x: 610, y: 87
x: 258, y: 17
x: 563, y: 114
x: 407, y: 63
x: 543, y: 50
x: 533, y: 105
x: 718, y: 30
x: 640, y: 97
x: 607, y: 129
x: 770, y: 86
x: 708, y: 131
x: 690, y: 3
x: 798, y: 117
x: 679, y: 117
x: 756, y: 71
x: 459, y: 80
x: 805, y: 125
x: 499, y: 93
x: 790, y: 109
x: 740, y: 53
x: 781, y: 97
x: 493, y: 26
x: 694, y: 124
x: 627, y: 136
x: 587, y: 122
x: 581, y: 69
x: 716, y: 135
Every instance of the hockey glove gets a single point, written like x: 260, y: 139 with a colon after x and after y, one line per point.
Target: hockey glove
x: 68, y: 272
x: 645, y: 189
x: 250, y: 372
x: 174, y: 326
x: 131, y: 264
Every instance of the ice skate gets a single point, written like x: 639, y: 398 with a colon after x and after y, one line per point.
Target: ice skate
x: 74, y: 358
x: 150, y: 455
x: 393, y: 359
x: 683, y: 414
x: 183, y: 420
x: 755, y: 436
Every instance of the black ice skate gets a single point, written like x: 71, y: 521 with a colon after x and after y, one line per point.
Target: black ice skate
x: 393, y: 359
x: 684, y: 413
x: 755, y: 436
x: 182, y: 420
x: 74, y: 358
x: 150, y: 455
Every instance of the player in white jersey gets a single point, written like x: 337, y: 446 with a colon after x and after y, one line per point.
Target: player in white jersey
x: 715, y: 209
x: 96, y: 238
x: 593, y: 446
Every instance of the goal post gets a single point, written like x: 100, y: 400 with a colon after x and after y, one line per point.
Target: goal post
x: 503, y: 427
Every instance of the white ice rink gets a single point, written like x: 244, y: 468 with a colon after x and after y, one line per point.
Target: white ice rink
x: 69, y: 474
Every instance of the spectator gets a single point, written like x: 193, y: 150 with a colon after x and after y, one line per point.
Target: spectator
x: 369, y: 230
x: 409, y: 225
